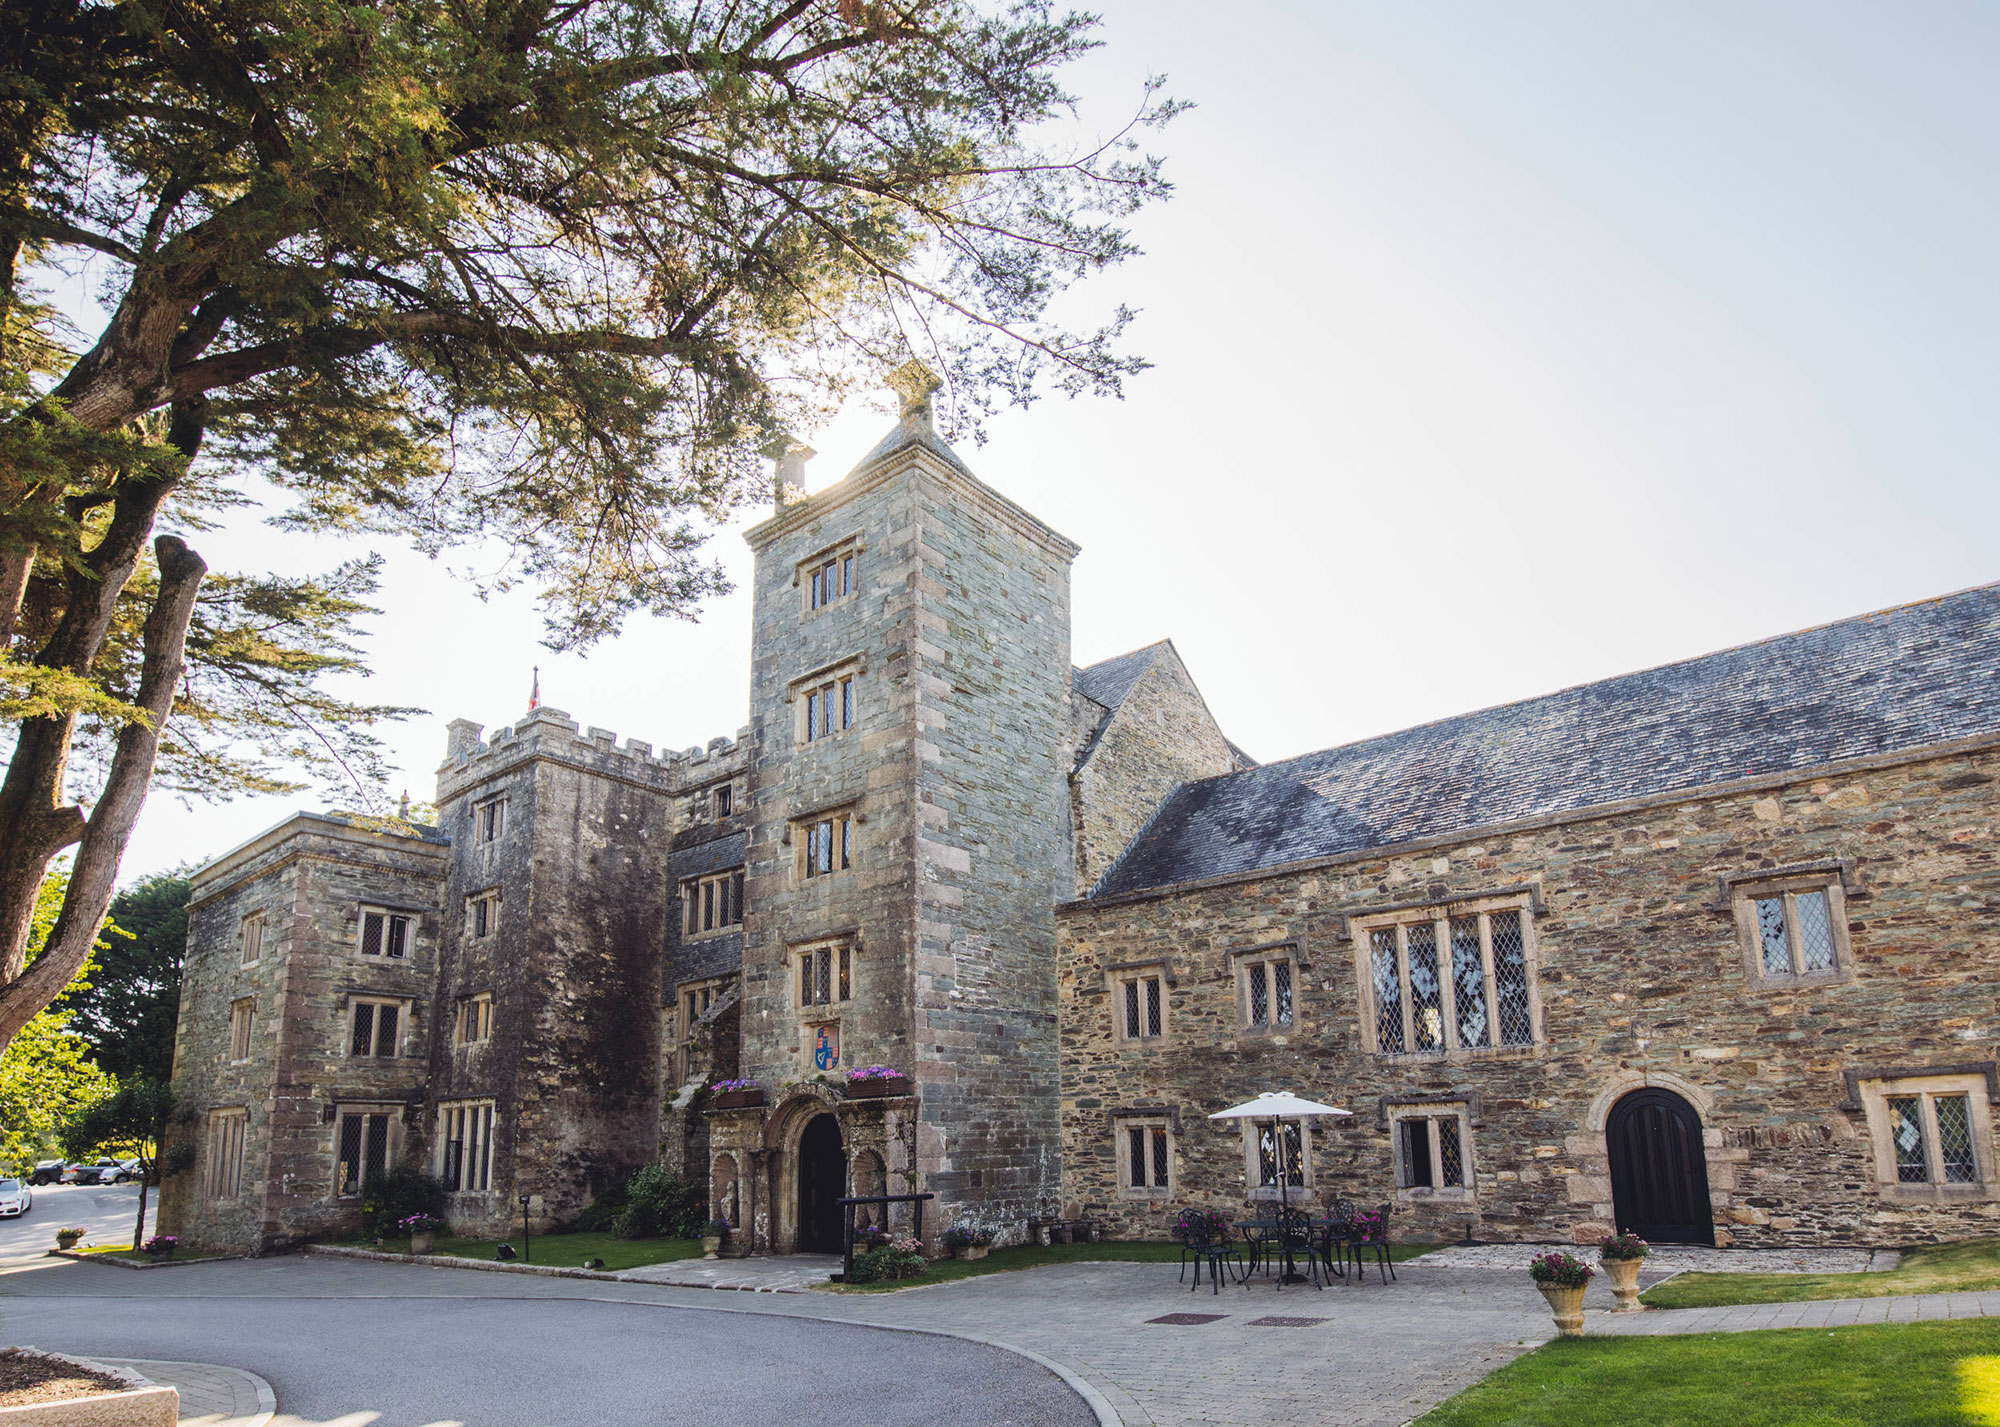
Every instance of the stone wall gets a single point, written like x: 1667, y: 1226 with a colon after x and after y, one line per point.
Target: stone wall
x: 308, y: 878
x: 573, y: 963
x: 1643, y: 980
x: 1160, y: 736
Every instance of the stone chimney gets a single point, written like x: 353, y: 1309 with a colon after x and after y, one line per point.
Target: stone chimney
x: 788, y: 469
x: 461, y: 736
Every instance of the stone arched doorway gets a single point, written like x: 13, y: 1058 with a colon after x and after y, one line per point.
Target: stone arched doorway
x: 1659, y: 1173
x: 822, y: 1183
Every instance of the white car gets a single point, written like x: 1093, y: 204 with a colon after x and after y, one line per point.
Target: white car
x: 15, y: 1198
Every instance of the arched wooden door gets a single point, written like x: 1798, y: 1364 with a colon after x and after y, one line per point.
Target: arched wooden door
x: 822, y: 1183
x: 1659, y: 1174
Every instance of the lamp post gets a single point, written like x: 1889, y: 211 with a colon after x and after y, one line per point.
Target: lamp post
x: 526, y: 1255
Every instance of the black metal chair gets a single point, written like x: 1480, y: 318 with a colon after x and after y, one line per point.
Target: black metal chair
x: 1333, y: 1238
x: 1260, y: 1236
x: 1214, y: 1250
x: 1366, y: 1238
x: 1295, y: 1239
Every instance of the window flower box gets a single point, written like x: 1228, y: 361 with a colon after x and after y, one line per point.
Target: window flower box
x: 875, y: 1082
x: 735, y: 1095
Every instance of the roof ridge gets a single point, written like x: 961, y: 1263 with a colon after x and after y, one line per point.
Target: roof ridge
x: 1993, y: 587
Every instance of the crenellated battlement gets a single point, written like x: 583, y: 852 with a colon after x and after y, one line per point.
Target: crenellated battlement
x: 551, y: 733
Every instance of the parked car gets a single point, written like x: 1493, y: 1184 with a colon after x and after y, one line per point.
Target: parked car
x: 16, y: 1198
x: 47, y: 1171
x: 78, y: 1174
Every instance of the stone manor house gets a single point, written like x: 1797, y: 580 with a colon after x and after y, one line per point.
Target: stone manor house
x: 1710, y: 951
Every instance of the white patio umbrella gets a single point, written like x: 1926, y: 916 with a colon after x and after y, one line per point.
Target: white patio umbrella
x: 1278, y: 1106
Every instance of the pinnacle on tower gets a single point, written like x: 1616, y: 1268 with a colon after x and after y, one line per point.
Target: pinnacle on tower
x: 788, y: 468
x: 914, y: 382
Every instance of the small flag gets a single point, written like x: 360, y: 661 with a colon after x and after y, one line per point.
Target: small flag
x: 535, y: 693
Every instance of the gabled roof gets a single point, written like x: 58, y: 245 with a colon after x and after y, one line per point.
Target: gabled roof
x: 1111, y: 680
x: 1896, y: 681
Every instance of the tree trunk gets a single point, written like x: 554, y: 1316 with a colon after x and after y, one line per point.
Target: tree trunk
x: 109, y: 826
x: 139, y: 1229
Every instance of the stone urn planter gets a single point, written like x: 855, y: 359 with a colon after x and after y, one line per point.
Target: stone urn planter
x: 1562, y: 1278
x: 973, y: 1253
x: 711, y: 1246
x: 67, y: 1239
x: 422, y: 1243
x: 1624, y: 1275
x: 1621, y: 1258
x: 1566, y: 1303
x: 878, y: 1087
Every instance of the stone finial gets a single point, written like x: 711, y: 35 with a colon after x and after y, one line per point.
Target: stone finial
x: 788, y: 469
x: 914, y: 382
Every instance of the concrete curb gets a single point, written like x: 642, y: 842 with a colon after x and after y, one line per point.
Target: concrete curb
x: 495, y: 1266
x: 117, y: 1262
x: 267, y: 1400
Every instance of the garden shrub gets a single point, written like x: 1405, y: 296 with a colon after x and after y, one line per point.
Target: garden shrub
x: 403, y: 1191
x: 903, y: 1258
x: 660, y: 1204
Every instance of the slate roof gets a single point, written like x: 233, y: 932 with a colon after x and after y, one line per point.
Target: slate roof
x: 1898, y: 680
x: 1111, y: 680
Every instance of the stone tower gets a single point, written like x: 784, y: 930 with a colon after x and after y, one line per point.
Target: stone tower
x: 908, y: 840
x: 545, y: 1049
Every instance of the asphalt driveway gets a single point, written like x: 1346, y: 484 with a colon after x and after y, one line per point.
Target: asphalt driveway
x: 399, y: 1348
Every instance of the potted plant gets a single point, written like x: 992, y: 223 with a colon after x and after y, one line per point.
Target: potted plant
x: 968, y: 1244
x: 874, y: 1081
x: 67, y: 1239
x: 161, y: 1246
x: 422, y: 1229
x: 1562, y: 1279
x: 712, y: 1237
x: 1621, y: 1258
x: 735, y: 1094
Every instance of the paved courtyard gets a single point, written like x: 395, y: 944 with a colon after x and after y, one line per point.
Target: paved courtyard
x: 370, y: 1344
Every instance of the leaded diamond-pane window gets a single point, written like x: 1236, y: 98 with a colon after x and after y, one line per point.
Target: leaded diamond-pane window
x: 1388, y: 991
x: 1906, y: 1132
x: 1954, y: 1123
x: 1815, y: 931
x: 1140, y: 1013
x: 1510, y: 978
x: 1426, y: 995
x: 1270, y: 1150
x: 1266, y: 990
x: 1796, y: 931
x: 1771, y: 936
x: 1479, y: 999
x: 1450, y: 1158
x: 1468, y: 980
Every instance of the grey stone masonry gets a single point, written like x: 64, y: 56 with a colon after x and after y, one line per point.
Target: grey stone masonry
x: 577, y: 903
x: 952, y: 641
x: 305, y: 882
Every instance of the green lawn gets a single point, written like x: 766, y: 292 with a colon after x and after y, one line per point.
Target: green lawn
x: 1943, y: 1374
x: 1943, y: 1268
x: 562, y: 1250
x: 1029, y: 1256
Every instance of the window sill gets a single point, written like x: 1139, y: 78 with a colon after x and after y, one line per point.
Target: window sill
x: 1939, y: 1193
x: 1802, y: 983
x: 1141, y: 1196
x: 1302, y: 1194
x: 1463, y: 1057
x: 713, y: 933
x: 1420, y: 1195
x: 1141, y: 1042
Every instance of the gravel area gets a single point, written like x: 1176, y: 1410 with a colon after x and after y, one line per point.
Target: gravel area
x: 1679, y: 1258
x: 28, y: 1377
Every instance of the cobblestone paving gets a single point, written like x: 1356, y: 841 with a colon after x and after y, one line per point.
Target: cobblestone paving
x: 1382, y: 1354
x: 1681, y: 1258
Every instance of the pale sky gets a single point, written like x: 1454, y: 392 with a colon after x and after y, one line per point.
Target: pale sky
x: 1498, y: 348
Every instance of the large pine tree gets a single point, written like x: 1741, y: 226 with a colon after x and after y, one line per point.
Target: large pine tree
x: 542, y: 275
